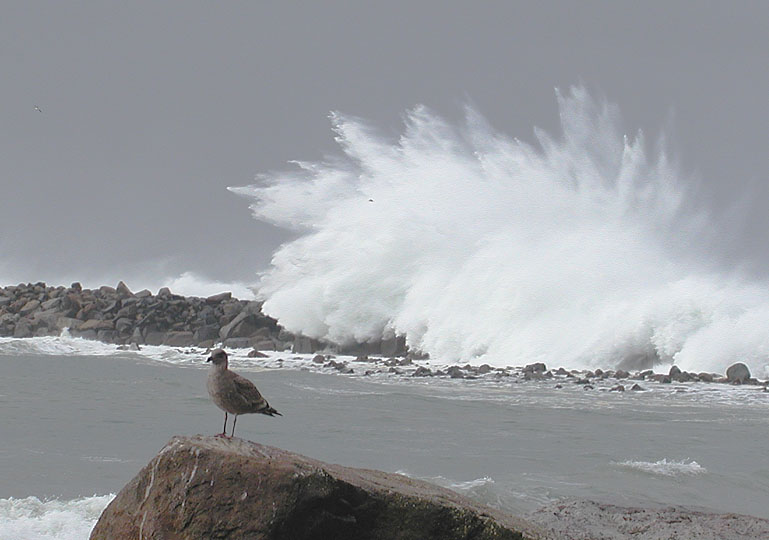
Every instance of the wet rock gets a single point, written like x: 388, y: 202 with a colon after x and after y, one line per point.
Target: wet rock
x: 455, y: 372
x: 582, y: 381
x: 206, y: 333
x: 483, y: 369
x: 621, y: 374
x: 675, y: 371
x: 29, y: 307
x: 106, y: 290
x: 179, y: 339
x: 637, y: 388
x: 618, y: 388
x: 738, y: 373
x: 96, y: 324
x: 705, y: 377
x: 207, y: 487
x: 123, y: 291
x: 237, y: 343
x: 164, y: 292
x: 256, y: 354
x: 217, y: 298
x: 154, y: 338
x: 22, y: 329
x: 422, y: 371
x: 534, y: 368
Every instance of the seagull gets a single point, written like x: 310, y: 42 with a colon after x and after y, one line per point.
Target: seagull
x: 232, y: 393
x: 38, y: 109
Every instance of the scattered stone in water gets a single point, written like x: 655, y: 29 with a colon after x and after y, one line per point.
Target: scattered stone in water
x: 738, y: 373
x: 582, y: 381
x: 536, y: 367
x: 421, y: 371
x: 455, y: 372
x: 256, y: 354
x: 621, y: 374
x: 559, y: 386
x: 587, y: 387
x: 637, y: 388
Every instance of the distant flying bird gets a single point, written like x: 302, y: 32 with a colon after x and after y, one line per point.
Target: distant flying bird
x: 232, y: 393
x: 38, y: 109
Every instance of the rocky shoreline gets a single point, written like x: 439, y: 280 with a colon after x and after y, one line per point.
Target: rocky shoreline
x: 119, y: 316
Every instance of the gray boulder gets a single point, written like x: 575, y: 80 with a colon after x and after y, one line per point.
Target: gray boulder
x: 29, y: 307
x: 243, y: 325
x: 216, y: 298
x: 205, y: 333
x: 738, y: 373
x: 123, y: 291
x: 179, y: 339
x: 23, y: 328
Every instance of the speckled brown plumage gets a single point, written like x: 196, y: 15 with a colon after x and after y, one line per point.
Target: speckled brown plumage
x: 232, y: 393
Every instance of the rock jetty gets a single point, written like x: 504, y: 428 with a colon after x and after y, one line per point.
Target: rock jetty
x: 208, y: 487
x: 118, y: 315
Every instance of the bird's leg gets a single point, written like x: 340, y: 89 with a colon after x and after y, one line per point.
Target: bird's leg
x: 224, y: 429
x: 233, y: 426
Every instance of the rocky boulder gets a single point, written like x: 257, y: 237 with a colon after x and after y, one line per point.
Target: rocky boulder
x: 207, y: 487
x: 738, y: 373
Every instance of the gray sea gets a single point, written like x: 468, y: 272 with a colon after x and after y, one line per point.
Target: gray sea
x: 79, y: 419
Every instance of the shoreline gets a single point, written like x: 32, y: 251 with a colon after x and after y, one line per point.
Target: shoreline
x: 129, y: 320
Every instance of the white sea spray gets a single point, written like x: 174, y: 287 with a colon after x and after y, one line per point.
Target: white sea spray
x: 582, y: 250
x: 30, y: 518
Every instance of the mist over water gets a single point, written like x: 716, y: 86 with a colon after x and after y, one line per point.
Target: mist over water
x: 586, y: 249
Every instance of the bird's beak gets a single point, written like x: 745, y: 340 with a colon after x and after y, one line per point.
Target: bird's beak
x: 208, y: 359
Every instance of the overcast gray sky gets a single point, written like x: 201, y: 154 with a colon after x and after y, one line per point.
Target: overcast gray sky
x: 151, y: 109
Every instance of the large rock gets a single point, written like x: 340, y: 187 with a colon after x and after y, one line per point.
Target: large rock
x: 207, y: 487
x: 738, y: 373
x: 29, y: 307
x: 179, y: 339
x: 243, y: 325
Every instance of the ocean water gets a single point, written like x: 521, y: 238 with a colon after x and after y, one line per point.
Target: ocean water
x: 78, y: 419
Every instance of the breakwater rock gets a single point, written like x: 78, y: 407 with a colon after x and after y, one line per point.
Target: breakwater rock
x: 209, y: 487
x: 118, y: 315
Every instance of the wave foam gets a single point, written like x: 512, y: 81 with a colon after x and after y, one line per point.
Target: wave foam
x: 664, y: 467
x: 33, y: 519
x: 585, y: 250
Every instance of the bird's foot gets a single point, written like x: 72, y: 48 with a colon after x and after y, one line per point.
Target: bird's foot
x: 223, y: 435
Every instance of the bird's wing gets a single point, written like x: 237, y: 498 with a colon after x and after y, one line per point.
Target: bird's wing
x: 249, y: 393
